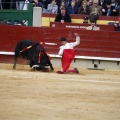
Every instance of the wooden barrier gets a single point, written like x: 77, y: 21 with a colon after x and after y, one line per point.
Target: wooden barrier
x: 80, y: 26
x: 93, y: 43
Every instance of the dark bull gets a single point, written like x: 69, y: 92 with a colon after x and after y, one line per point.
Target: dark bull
x: 34, y: 52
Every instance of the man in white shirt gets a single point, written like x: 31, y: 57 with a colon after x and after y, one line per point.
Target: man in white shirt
x: 67, y: 52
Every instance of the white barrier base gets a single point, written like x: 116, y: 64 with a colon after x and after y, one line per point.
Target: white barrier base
x: 83, y: 61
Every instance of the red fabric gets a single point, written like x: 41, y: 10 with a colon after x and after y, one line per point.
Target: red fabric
x: 42, y: 43
x: 67, y: 58
x: 27, y: 48
x: 24, y: 50
x: 119, y: 19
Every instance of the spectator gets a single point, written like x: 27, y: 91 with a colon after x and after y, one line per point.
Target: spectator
x: 1, y: 4
x: 63, y: 16
x: 93, y: 26
x: 94, y: 11
x: 111, y: 8
x: 20, y: 4
x: 79, y: 3
x: 68, y: 53
x: 34, y: 2
x: 62, y: 4
x: 84, y: 9
x: 117, y: 25
x: 107, y: 11
x: 119, y: 7
x: 52, y: 7
x: 90, y: 3
x: 73, y: 9
x: 114, y: 8
x: 41, y: 3
x: 102, y: 3
x: 85, y: 20
x: 58, y: 2
x: 67, y: 3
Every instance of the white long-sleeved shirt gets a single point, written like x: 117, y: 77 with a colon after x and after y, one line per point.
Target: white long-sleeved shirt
x: 69, y: 45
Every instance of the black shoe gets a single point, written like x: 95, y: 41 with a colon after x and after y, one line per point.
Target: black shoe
x: 76, y: 70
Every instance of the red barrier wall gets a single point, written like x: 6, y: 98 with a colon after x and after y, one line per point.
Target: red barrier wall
x: 93, y: 43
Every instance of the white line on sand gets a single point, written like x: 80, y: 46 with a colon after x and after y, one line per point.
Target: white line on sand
x: 94, y: 81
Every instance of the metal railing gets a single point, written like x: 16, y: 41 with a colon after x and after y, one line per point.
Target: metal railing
x: 13, y: 15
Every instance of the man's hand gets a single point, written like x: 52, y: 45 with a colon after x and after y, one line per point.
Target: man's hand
x: 36, y: 1
x: 114, y: 10
x: 115, y: 24
x: 76, y: 34
x: 62, y: 21
x: 103, y: 10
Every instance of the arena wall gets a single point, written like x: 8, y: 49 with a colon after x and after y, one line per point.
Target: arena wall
x: 97, y: 50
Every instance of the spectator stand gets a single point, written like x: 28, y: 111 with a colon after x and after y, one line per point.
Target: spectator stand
x: 102, y: 20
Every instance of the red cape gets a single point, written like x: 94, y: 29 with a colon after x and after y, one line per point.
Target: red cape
x: 67, y: 58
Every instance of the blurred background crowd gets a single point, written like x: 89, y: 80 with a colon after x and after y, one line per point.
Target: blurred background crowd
x: 86, y: 7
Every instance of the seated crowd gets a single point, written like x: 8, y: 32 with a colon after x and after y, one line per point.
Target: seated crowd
x: 101, y: 7
x: 87, y: 7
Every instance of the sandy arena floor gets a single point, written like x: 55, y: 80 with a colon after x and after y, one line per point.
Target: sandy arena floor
x: 34, y: 95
